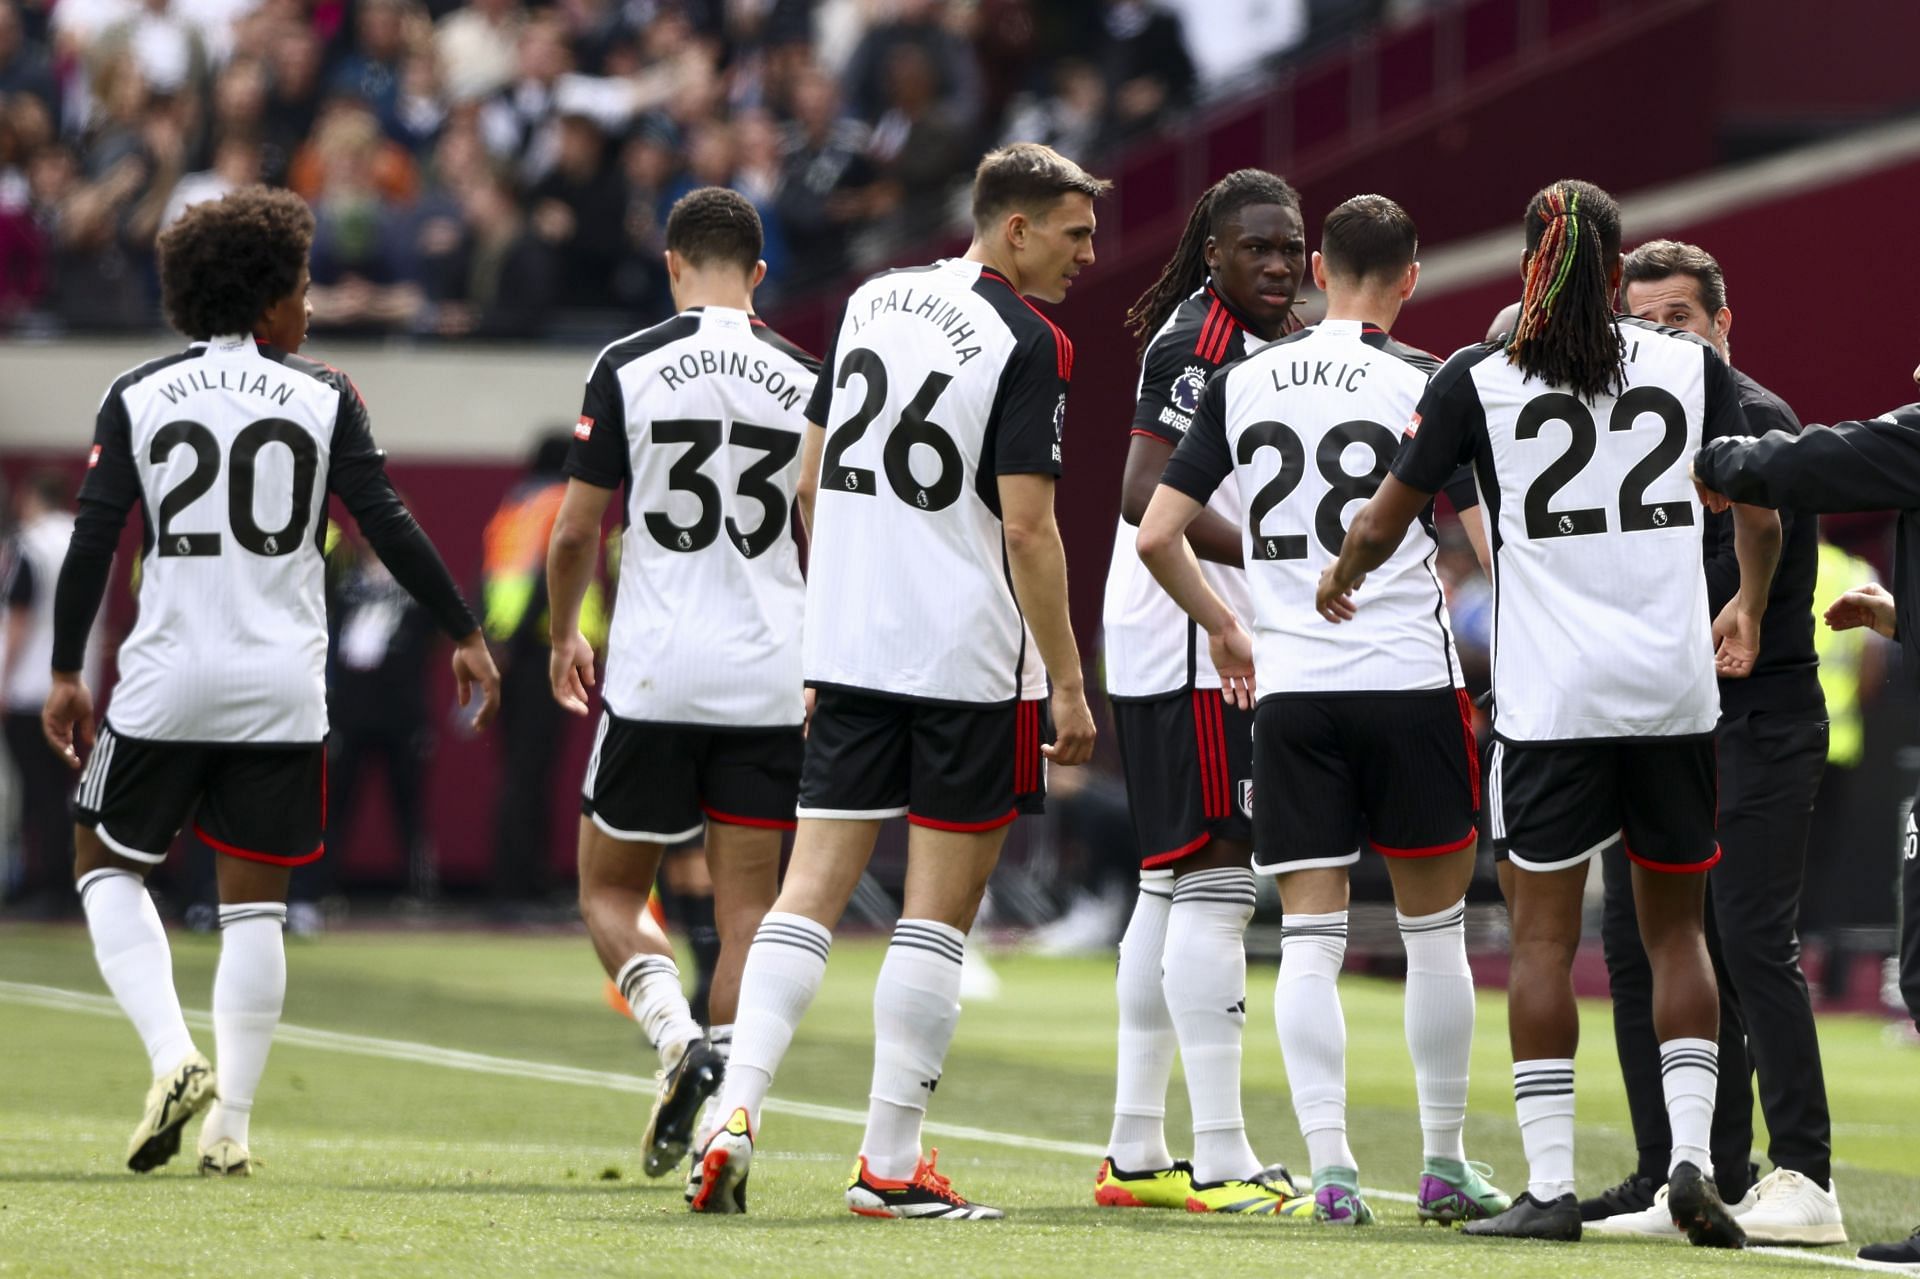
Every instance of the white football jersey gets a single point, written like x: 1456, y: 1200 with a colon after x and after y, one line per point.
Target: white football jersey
x: 37, y: 552
x: 228, y: 447
x: 1304, y: 425
x: 1601, y: 627
x: 1151, y: 647
x: 701, y: 417
x: 940, y: 380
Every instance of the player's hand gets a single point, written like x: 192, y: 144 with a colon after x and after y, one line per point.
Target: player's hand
x: 1072, y: 727
x: 570, y: 669
x: 1869, y: 605
x: 1232, y: 653
x: 1715, y: 502
x: 67, y: 714
x: 1736, y: 641
x: 806, y: 724
x: 473, y: 664
x: 1333, y: 599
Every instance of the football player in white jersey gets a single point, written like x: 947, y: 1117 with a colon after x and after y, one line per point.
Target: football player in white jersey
x: 220, y: 711
x: 936, y: 426
x: 700, y: 417
x: 1366, y: 732
x: 1228, y: 289
x: 1579, y: 429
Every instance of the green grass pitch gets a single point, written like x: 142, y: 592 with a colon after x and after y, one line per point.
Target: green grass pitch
x: 453, y: 1104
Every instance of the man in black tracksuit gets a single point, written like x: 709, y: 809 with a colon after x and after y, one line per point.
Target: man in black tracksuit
x: 1772, y: 747
x: 1853, y: 466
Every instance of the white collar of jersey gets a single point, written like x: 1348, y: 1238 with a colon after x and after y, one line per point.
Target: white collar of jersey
x: 1341, y: 328
x: 725, y: 316
x: 228, y: 343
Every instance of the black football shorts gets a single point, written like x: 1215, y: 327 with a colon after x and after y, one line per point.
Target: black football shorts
x: 1188, y: 759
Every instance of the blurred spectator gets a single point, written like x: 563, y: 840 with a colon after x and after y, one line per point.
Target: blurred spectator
x: 824, y: 182
x: 359, y: 258
x: 917, y: 145
x: 32, y: 565
x: 509, y: 275
x: 24, y: 255
x: 371, y: 70
x: 920, y: 25
x: 519, y: 122
x: 165, y: 47
x: 514, y: 594
x: 579, y: 210
x: 477, y: 46
x: 293, y: 101
x: 1142, y: 51
x: 24, y: 68
x: 1072, y: 120
x: 647, y: 165
x: 1228, y: 39
x: 376, y: 707
x: 236, y: 163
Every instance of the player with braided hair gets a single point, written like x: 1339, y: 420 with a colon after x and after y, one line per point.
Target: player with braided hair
x: 1227, y: 291
x: 1578, y: 428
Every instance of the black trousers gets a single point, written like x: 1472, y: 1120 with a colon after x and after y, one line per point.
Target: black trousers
x: 398, y: 749
x: 531, y: 728
x: 1770, y: 766
x: 1910, y: 914
x: 46, y: 821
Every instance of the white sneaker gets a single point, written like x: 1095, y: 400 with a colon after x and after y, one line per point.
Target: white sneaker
x: 1655, y: 1222
x: 226, y: 1158
x: 1790, y: 1208
x: 174, y: 1098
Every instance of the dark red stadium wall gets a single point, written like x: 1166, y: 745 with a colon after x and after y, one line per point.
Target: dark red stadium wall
x: 1789, y: 62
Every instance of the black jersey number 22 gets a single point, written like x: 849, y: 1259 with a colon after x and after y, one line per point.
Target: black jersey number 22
x: 1636, y: 513
x: 240, y: 486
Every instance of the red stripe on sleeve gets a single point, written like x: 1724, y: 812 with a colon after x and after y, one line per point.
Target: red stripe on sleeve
x: 1206, y: 329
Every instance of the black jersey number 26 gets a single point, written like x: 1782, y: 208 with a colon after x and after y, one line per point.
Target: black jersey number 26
x: 913, y: 428
x: 1636, y: 513
x: 240, y: 486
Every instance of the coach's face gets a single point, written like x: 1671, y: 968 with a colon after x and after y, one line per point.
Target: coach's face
x: 1257, y: 260
x: 1050, y: 250
x: 1675, y: 302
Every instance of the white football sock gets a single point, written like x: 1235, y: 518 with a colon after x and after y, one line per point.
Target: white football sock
x: 130, y: 945
x: 1313, y: 1032
x: 1689, y: 1075
x: 1205, y: 962
x: 783, y: 972
x: 1439, y: 1020
x: 1543, y: 1099
x: 1139, y: 1141
x: 916, y: 1005
x: 249, y: 989
x: 651, y: 987
x: 721, y: 1037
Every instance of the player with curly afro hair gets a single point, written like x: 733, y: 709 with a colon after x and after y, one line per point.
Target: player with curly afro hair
x: 238, y: 265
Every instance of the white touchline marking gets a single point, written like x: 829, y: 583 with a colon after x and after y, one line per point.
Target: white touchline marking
x: 78, y: 1001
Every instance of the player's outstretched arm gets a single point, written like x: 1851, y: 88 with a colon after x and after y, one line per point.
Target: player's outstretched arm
x: 1373, y: 536
x: 1736, y: 631
x: 1165, y: 546
x: 1849, y: 466
x: 570, y: 559
x: 1038, y: 563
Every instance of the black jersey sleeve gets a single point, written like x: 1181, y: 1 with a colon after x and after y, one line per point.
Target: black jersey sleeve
x: 598, y: 454
x: 1203, y: 459
x: 1849, y: 466
x: 1172, y: 380
x: 1724, y: 416
x: 1447, y: 427
x: 1029, y: 413
x: 111, y: 488
x: 822, y: 398
x: 1762, y: 414
x: 19, y: 586
x: 357, y: 474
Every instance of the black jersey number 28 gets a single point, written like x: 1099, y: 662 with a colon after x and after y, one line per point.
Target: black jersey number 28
x: 1636, y: 513
x: 1343, y: 486
x: 913, y: 428
x: 240, y: 486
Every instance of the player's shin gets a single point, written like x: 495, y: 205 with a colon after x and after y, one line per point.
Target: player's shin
x: 130, y: 945
x: 1313, y: 1034
x: 916, y: 1006
x: 1146, y: 1040
x: 1439, y: 1024
x: 1206, y: 990
x: 783, y: 972
x: 249, y: 989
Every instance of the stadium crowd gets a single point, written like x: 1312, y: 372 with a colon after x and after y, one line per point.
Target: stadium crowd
x: 501, y: 169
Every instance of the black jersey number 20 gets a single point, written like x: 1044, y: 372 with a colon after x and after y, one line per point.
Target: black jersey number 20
x: 913, y: 428
x: 240, y: 486
x: 1636, y: 513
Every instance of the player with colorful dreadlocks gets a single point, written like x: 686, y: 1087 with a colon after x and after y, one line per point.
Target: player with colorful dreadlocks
x: 1227, y: 291
x: 1579, y: 428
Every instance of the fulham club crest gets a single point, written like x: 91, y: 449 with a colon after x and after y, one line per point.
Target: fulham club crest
x: 1246, y: 798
